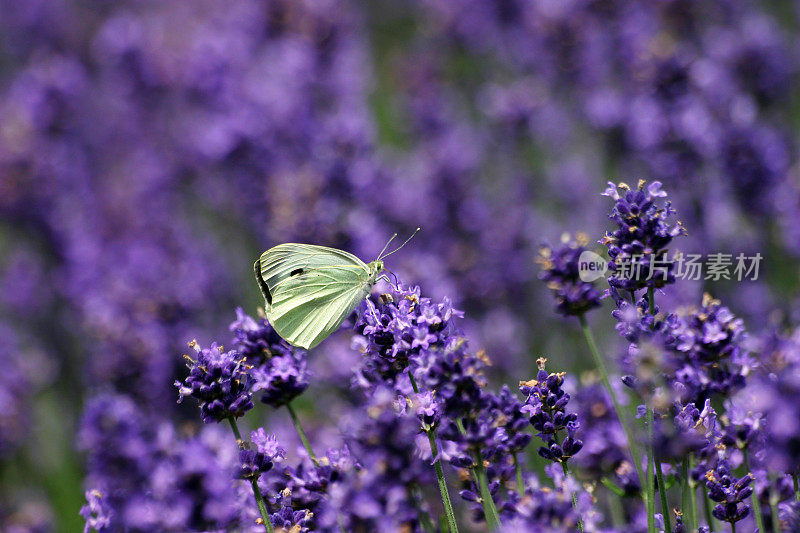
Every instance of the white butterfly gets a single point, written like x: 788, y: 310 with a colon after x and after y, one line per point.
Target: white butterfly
x: 310, y: 290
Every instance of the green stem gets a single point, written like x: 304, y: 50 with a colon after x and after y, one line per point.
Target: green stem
x: 489, y: 509
x: 773, y: 505
x: 754, y: 497
x: 686, y: 494
x: 662, y: 492
x: 565, y: 468
x: 694, y: 522
x: 796, y: 487
x: 448, y: 505
x: 707, y: 508
x: 651, y: 301
x: 423, y: 516
x: 616, y: 510
x: 623, y: 420
x: 733, y: 527
x: 262, y: 507
x: 518, y: 471
x: 650, y: 485
x: 301, y: 433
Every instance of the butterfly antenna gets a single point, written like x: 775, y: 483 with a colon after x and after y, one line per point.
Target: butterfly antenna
x: 386, y: 246
x: 396, y: 249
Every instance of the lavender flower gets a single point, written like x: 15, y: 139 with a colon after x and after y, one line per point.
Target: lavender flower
x: 687, y: 356
x: 547, y: 510
x: 560, y: 272
x: 151, y: 478
x: 96, y: 512
x: 259, y: 454
x: 730, y: 492
x: 289, y: 520
x: 789, y: 516
x: 280, y: 369
x: 16, y: 391
x: 639, y: 244
x: 427, y: 409
x: 775, y: 396
x: 546, y: 404
x: 219, y: 381
x: 605, y: 451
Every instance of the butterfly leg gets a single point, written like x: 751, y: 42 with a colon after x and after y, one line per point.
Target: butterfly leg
x: 374, y: 314
x: 389, y: 281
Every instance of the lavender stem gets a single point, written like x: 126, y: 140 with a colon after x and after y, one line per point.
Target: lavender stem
x: 650, y: 480
x: 694, y: 521
x: 448, y: 505
x: 707, y: 506
x: 662, y: 491
x: 796, y: 488
x: 754, y: 497
x: 262, y: 507
x: 601, y: 367
x: 565, y: 468
x: 479, y: 476
x: 301, y: 433
x: 773, y: 505
x: 423, y: 516
x: 492, y: 518
x: 518, y: 472
x: 688, y: 506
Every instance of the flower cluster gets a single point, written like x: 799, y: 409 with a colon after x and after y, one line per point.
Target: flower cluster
x: 219, y: 381
x: 546, y: 403
x: 637, y: 248
x: 776, y: 396
x: 560, y: 270
x: 287, y: 519
x: 280, y: 370
x: 543, y: 509
x: 691, y: 355
x: 730, y: 492
x: 259, y: 454
x: 709, y: 358
x: 401, y: 327
x: 153, y: 479
x: 605, y: 452
x: 96, y: 512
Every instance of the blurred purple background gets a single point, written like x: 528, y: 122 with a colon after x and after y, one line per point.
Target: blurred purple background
x: 150, y: 150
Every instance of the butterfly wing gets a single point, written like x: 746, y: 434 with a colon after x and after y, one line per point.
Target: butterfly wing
x: 309, y: 306
x: 280, y: 262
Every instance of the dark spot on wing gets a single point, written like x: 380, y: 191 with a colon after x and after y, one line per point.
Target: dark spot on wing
x: 296, y: 272
x: 261, y: 283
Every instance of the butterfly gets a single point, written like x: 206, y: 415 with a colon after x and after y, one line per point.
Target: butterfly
x: 310, y: 290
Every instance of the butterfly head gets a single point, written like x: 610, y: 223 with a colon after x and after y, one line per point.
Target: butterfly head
x: 375, y: 268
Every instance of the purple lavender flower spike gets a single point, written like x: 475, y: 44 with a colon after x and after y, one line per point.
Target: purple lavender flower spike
x: 644, y: 230
x: 730, y: 493
x: 259, y: 454
x: 546, y: 404
x: 279, y: 370
x: 219, y: 381
x: 287, y: 518
x: 96, y: 512
x: 428, y: 409
x: 560, y: 271
x: 775, y: 395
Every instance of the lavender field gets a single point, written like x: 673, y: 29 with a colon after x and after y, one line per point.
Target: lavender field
x: 596, y: 329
